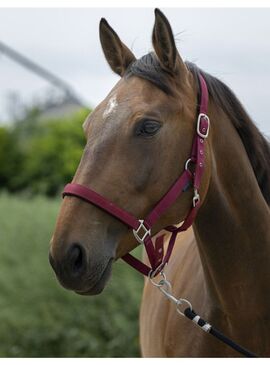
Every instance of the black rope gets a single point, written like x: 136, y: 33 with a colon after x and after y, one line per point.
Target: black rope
x: 190, y: 314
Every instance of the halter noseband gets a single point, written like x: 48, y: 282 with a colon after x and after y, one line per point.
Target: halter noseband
x: 142, y: 227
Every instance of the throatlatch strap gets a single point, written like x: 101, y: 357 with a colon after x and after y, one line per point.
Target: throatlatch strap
x: 169, y: 198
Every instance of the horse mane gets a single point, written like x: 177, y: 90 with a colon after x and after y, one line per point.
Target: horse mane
x: 147, y: 67
x: 256, y: 145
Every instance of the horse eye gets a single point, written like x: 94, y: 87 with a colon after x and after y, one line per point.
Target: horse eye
x: 147, y: 128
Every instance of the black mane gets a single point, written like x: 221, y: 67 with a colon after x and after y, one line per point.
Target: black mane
x: 256, y: 145
x: 148, y: 68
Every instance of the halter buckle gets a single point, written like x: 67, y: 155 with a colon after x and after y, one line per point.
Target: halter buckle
x: 143, y: 230
x: 203, y: 131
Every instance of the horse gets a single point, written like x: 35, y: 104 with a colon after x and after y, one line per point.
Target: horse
x: 138, y: 140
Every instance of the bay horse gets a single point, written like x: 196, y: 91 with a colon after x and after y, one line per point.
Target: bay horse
x: 138, y: 139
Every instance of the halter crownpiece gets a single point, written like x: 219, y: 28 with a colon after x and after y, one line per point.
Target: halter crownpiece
x: 142, y: 227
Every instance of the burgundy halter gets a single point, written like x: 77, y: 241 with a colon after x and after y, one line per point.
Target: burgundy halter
x: 142, y: 227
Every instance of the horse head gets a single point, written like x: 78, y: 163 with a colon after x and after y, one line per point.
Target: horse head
x: 138, y: 139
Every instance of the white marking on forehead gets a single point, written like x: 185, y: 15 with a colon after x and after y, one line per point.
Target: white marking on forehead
x: 111, y: 106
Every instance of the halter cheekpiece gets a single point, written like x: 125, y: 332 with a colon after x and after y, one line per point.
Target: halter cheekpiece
x: 142, y: 227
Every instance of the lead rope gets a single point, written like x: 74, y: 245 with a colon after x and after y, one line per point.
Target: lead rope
x: 166, y: 289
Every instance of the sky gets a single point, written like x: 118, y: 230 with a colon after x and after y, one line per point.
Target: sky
x: 231, y: 44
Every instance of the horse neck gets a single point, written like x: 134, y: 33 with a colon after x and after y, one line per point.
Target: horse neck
x: 232, y: 227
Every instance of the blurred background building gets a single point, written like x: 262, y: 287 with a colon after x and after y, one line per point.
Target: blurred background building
x: 52, y: 105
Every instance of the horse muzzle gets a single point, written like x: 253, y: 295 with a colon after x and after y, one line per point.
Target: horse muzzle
x: 75, y: 272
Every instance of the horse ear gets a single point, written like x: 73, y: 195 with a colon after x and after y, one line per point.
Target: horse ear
x: 164, y: 44
x: 116, y: 53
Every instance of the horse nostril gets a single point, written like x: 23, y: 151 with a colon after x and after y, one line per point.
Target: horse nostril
x: 76, y: 258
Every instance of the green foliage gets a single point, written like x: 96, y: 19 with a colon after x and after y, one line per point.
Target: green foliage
x: 38, y: 317
x: 41, y: 319
x: 53, y: 154
x: 39, y: 156
x: 10, y: 158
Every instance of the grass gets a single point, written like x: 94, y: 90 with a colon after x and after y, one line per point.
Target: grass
x: 38, y: 318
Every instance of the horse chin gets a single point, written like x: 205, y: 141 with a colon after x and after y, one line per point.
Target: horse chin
x: 99, y: 285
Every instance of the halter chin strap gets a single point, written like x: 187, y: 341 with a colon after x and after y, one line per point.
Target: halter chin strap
x: 142, y: 227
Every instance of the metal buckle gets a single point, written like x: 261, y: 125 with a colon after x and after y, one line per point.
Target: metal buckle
x: 145, y: 232
x: 204, y: 134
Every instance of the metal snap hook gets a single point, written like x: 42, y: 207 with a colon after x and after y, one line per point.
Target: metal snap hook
x: 196, y: 198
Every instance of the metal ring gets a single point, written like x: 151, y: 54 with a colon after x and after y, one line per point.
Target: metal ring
x: 151, y: 276
x: 180, y: 302
x: 187, y: 163
x: 152, y: 273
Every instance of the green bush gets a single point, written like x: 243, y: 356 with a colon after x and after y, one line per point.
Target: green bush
x: 38, y: 317
x: 10, y: 158
x: 39, y: 156
x: 41, y: 319
x: 53, y: 154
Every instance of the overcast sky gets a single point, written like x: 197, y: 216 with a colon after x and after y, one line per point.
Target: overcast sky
x: 232, y: 44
